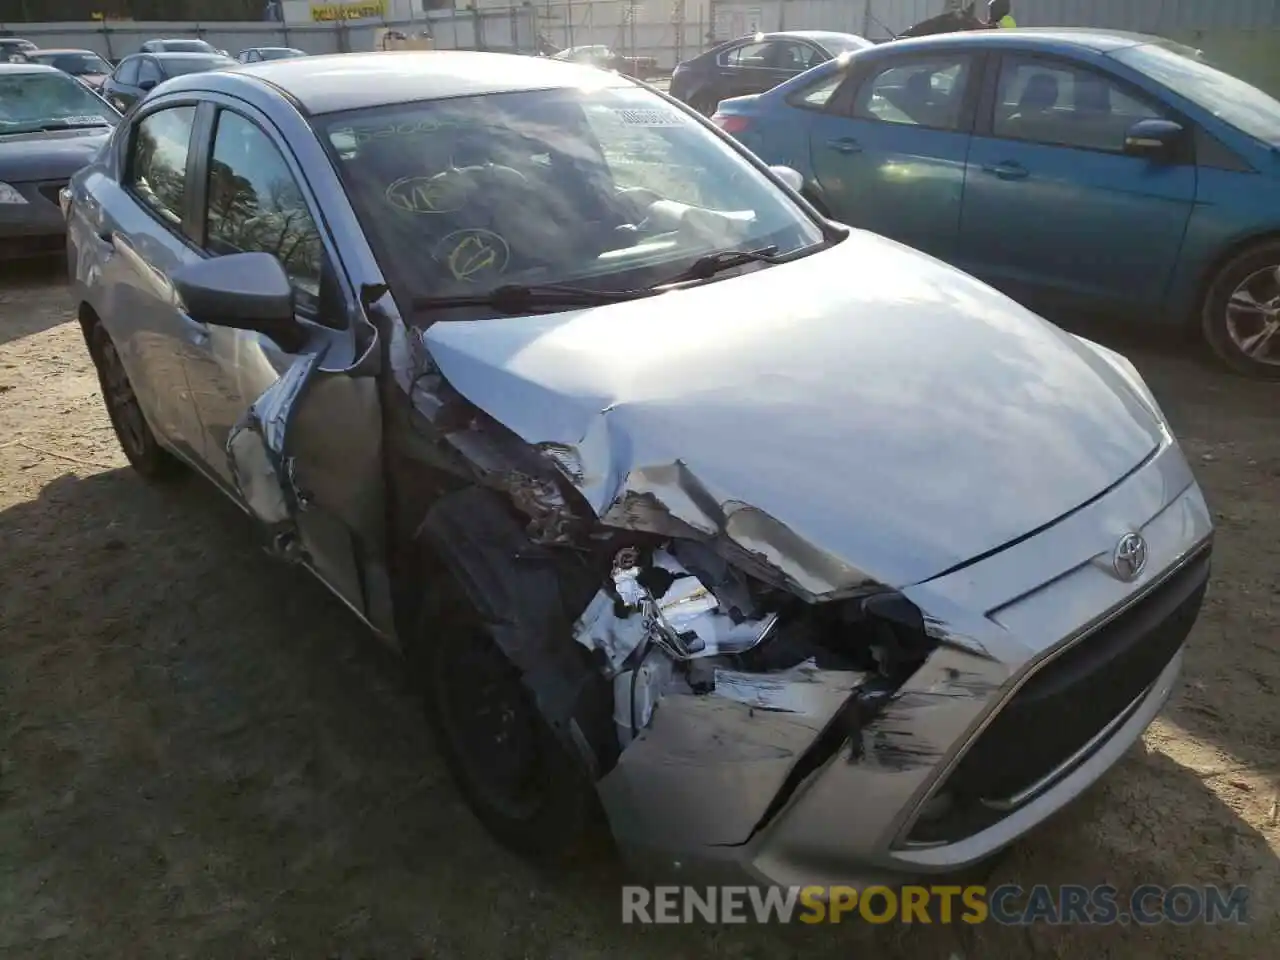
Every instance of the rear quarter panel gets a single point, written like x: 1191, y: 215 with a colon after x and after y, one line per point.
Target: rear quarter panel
x: 779, y: 132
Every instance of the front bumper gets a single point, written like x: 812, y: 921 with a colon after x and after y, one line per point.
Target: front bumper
x: 965, y: 758
x: 36, y: 228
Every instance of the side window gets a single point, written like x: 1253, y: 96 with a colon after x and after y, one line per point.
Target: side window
x: 749, y: 55
x: 797, y: 57
x: 158, y: 165
x: 924, y: 93
x: 149, y: 70
x: 1064, y: 105
x: 819, y: 94
x: 255, y: 206
x: 127, y: 72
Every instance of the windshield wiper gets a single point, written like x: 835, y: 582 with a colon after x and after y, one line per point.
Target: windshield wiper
x: 706, y: 267
x: 515, y: 298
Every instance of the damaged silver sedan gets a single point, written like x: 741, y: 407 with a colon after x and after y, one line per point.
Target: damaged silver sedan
x: 790, y: 550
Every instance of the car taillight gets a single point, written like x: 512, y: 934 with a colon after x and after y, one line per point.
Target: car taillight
x: 730, y: 123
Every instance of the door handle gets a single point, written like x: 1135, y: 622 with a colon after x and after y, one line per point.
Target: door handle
x: 844, y: 145
x: 1007, y: 170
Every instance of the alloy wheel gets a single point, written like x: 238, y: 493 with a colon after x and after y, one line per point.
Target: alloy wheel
x: 1253, y: 316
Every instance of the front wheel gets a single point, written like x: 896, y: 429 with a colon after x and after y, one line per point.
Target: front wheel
x: 1240, y: 317
x: 512, y: 771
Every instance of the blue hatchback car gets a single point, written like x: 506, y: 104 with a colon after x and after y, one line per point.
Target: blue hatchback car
x: 1076, y: 169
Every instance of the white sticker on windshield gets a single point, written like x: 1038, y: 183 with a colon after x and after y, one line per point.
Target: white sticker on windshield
x: 93, y: 119
x: 648, y: 117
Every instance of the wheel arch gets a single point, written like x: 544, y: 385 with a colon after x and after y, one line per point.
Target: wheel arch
x: 471, y: 542
x: 1195, y: 310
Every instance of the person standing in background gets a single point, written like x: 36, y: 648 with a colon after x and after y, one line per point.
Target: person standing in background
x: 1000, y: 14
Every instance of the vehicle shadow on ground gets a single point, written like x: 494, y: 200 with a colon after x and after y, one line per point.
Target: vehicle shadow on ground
x: 204, y: 744
x: 19, y: 281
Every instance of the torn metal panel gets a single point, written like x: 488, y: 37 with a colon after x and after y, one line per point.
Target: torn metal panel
x: 307, y: 460
x: 263, y: 473
x: 709, y: 765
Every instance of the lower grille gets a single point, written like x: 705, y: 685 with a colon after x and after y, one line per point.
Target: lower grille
x: 1066, y: 704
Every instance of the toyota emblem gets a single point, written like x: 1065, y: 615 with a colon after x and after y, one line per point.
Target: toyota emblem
x: 1130, y: 557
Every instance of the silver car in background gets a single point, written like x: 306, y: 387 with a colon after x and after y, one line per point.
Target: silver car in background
x: 800, y: 554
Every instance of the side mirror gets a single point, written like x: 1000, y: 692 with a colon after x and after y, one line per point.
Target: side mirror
x: 1153, y: 139
x: 245, y: 291
x: 146, y: 84
x: 792, y: 178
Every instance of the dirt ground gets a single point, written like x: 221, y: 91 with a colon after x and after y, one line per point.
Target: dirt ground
x: 201, y: 754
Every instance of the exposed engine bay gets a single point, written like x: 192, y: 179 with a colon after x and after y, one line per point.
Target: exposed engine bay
x: 679, y: 619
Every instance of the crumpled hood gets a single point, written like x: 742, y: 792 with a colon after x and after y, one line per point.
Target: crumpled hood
x: 866, y: 404
x: 49, y: 155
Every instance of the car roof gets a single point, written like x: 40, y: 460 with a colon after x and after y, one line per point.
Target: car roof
x: 177, y: 55
x: 817, y: 35
x: 1062, y: 39
x: 10, y: 69
x: 44, y: 50
x: 330, y: 83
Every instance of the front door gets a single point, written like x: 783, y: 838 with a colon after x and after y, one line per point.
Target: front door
x: 1054, y: 211
x: 120, y: 86
x: 309, y: 412
x: 889, y: 153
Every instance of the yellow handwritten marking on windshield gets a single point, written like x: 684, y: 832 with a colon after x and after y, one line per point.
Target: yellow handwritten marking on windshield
x: 425, y: 195
x: 470, y: 252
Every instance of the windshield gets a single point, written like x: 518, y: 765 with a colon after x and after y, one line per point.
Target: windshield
x: 77, y: 64
x: 607, y: 187
x: 34, y: 101
x: 186, y: 46
x: 177, y: 67
x: 1185, y: 71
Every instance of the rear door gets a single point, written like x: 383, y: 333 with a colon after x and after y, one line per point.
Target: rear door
x: 143, y: 239
x: 748, y: 68
x: 310, y: 412
x: 793, y: 57
x: 1054, y: 210
x: 889, y: 152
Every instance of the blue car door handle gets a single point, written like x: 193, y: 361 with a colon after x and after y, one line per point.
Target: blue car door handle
x: 1007, y: 170
x: 844, y: 145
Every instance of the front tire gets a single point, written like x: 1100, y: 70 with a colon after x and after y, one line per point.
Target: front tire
x: 512, y: 771
x: 139, y: 444
x: 1240, y: 317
